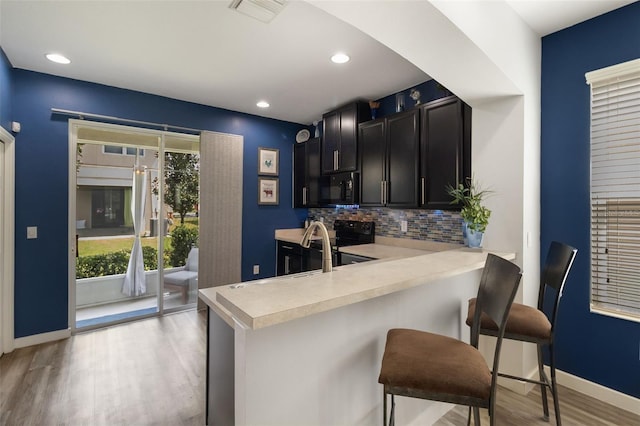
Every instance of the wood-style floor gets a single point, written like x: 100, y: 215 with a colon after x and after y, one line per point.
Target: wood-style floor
x: 151, y: 372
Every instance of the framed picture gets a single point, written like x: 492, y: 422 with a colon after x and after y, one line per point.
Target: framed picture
x: 268, y: 191
x: 268, y: 161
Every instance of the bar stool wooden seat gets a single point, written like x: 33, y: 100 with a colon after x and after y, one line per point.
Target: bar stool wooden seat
x: 424, y: 365
x: 531, y: 324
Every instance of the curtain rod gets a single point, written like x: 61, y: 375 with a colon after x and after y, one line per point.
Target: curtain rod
x: 83, y: 115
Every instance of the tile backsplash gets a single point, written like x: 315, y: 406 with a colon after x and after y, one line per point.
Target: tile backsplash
x: 433, y: 225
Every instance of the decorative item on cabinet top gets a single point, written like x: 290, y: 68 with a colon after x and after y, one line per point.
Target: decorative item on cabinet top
x: 415, y: 95
x: 373, y: 105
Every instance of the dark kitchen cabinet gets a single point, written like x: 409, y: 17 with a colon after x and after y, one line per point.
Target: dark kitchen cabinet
x: 340, y: 137
x: 306, y: 173
x: 292, y: 258
x: 445, y: 150
x: 389, y: 160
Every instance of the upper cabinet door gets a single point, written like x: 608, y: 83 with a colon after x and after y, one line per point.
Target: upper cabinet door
x: 340, y: 137
x: 403, y: 144
x: 314, y: 178
x: 306, y: 174
x: 389, y: 149
x: 299, y: 175
x: 373, y: 147
x: 330, y: 141
x: 348, y: 154
x: 445, y: 150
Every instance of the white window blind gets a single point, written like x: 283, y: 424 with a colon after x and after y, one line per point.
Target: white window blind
x: 615, y: 189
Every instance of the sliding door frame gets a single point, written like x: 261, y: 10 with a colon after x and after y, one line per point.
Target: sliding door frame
x: 74, y: 126
x: 7, y: 341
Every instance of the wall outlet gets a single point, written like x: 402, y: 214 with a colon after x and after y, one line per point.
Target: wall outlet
x: 403, y: 225
x: 256, y: 269
x: 32, y: 232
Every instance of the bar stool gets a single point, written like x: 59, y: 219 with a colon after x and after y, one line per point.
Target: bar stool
x: 529, y: 324
x: 424, y: 365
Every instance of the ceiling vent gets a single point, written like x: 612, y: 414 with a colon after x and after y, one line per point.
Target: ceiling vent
x: 262, y: 10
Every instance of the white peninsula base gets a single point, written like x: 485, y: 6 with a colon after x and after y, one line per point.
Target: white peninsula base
x: 322, y: 369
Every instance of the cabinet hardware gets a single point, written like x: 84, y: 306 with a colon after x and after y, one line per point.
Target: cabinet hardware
x: 381, y: 192
x: 287, y: 268
x: 422, y: 189
x: 304, y: 195
x: 386, y: 192
x: 287, y: 247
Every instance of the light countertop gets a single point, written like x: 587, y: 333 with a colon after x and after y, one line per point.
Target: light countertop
x: 266, y: 302
x: 381, y: 251
x: 294, y: 235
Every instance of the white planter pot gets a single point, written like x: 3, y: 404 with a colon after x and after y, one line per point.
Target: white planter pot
x: 471, y: 238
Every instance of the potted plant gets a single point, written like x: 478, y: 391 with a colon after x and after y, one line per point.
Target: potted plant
x: 473, y: 213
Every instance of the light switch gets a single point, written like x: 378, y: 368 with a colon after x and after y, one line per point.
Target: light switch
x: 32, y: 232
x: 403, y: 225
x: 256, y: 269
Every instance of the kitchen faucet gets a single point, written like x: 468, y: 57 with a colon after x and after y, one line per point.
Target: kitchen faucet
x: 326, y: 243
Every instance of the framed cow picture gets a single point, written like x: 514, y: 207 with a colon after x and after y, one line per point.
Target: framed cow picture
x: 268, y: 191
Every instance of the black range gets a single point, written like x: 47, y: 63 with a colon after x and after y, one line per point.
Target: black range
x: 348, y: 233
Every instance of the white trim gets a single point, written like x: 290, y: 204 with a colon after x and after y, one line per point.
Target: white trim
x: 8, y: 343
x: 578, y: 384
x: 71, y: 219
x: 597, y: 391
x: 36, y: 339
x: 615, y: 71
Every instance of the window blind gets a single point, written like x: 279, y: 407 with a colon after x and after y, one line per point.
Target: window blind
x: 615, y: 189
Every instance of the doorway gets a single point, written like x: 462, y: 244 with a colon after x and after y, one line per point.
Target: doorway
x: 7, y: 162
x: 133, y: 226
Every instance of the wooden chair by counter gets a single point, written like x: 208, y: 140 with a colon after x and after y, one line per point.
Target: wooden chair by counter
x: 430, y: 366
x: 529, y: 324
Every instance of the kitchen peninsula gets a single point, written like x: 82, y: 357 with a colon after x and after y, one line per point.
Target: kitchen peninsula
x: 306, y: 349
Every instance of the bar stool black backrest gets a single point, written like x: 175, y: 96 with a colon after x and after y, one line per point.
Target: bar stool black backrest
x: 559, y: 260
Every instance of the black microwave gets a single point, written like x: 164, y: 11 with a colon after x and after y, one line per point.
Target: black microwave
x: 341, y: 188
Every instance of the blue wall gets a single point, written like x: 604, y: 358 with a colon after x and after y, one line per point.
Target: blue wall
x: 601, y: 349
x: 5, y: 91
x: 41, y: 286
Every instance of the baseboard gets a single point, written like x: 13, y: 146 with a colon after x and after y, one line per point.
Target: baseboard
x: 37, y: 339
x: 578, y: 384
x: 595, y: 390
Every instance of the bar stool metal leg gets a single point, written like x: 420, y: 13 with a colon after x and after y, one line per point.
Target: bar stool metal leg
x: 545, y: 383
x: 554, y: 386
x: 384, y: 408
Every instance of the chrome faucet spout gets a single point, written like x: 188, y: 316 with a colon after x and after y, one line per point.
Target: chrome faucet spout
x: 326, y: 243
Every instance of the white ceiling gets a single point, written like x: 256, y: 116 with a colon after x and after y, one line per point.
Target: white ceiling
x: 204, y: 52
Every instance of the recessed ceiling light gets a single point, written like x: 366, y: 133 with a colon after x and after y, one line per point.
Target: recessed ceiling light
x: 57, y: 58
x: 340, y: 58
x: 263, y: 104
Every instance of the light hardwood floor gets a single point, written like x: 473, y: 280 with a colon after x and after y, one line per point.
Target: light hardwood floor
x: 151, y: 372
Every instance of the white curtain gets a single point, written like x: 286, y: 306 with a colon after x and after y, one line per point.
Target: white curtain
x: 134, y: 281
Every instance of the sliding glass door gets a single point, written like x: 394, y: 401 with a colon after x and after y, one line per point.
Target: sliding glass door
x: 136, y: 222
x: 181, y: 198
